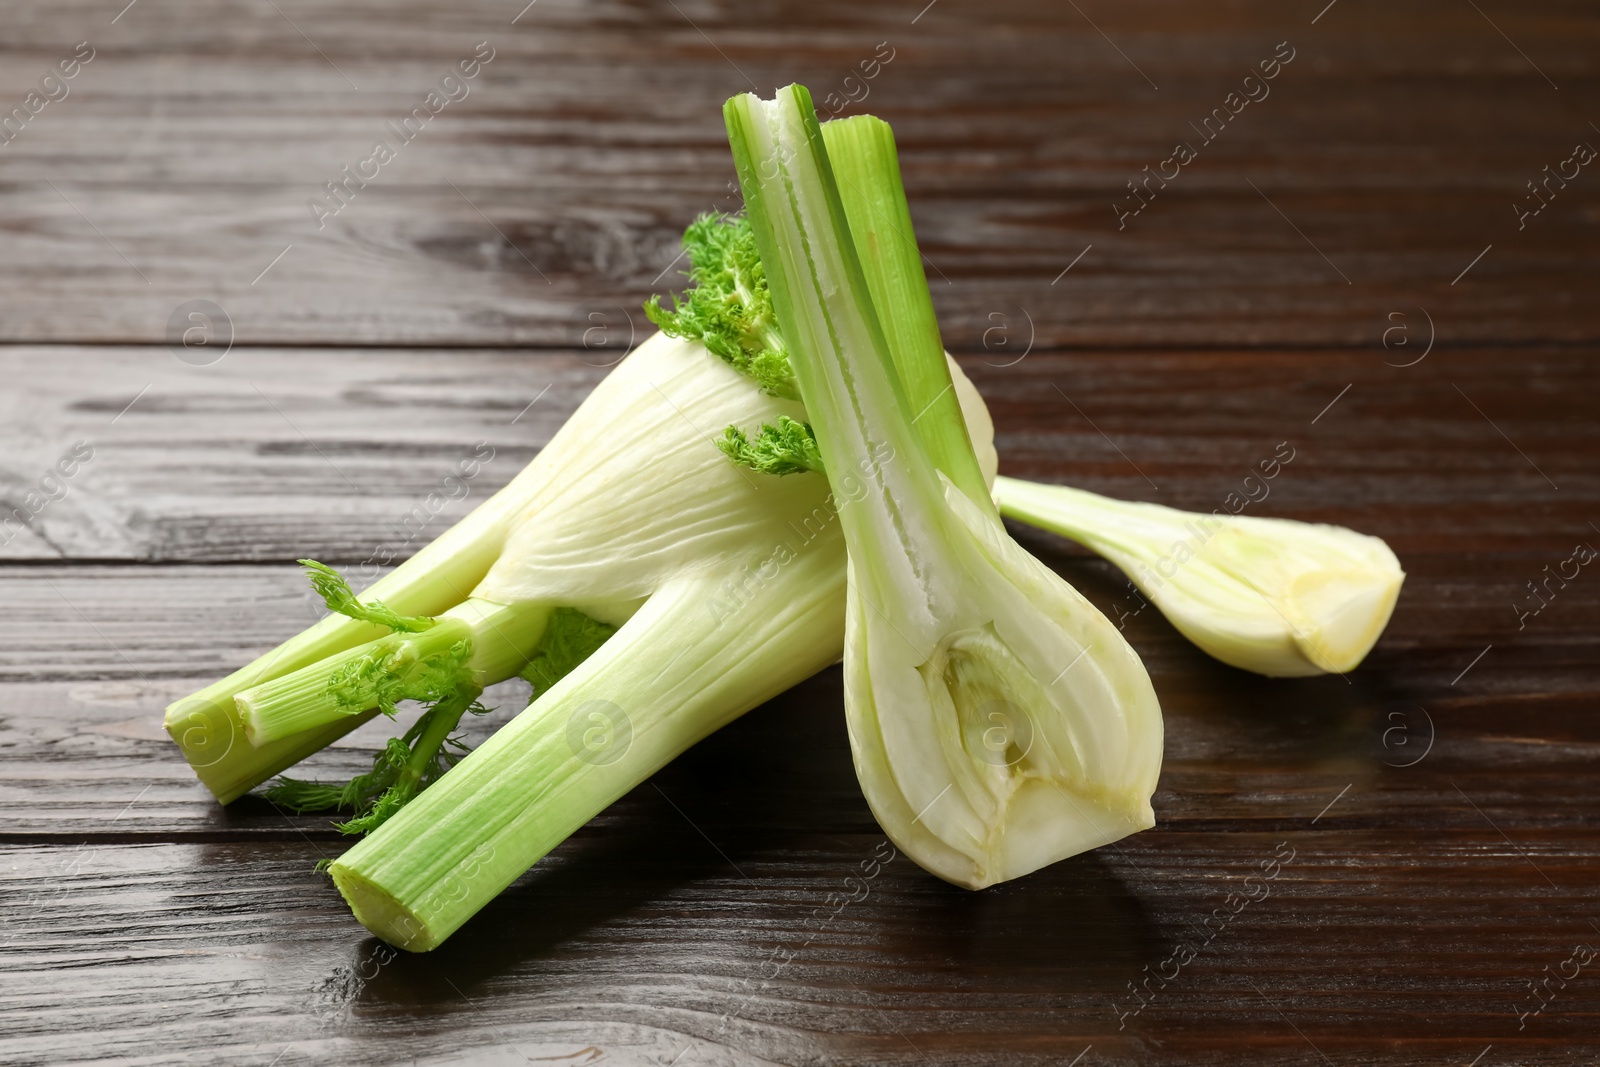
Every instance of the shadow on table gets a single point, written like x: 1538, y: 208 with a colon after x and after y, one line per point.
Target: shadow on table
x: 1078, y: 919
x: 711, y: 869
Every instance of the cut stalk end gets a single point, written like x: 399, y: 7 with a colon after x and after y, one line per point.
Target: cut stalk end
x: 206, y: 724
x: 380, y: 912
x: 213, y: 739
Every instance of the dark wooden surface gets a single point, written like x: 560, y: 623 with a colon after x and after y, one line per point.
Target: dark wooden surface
x: 1440, y: 803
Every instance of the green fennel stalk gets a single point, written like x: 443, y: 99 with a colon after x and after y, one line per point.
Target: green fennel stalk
x: 207, y: 725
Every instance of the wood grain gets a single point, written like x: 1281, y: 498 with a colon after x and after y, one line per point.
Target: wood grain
x: 645, y: 944
x: 1439, y: 805
x: 1415, y: 907
x: 277, y: 454
x: 107, y: 648
x: 1387, y: 156
x: 637, y: 932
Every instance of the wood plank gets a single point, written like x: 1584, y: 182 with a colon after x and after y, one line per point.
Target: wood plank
x: 1389, y: 154
x: 641, y: 941
x: 234, y: 461
x: 636, y: 929
x: 279, y: 454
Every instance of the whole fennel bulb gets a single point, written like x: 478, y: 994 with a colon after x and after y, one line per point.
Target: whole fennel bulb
x: 729, y: 587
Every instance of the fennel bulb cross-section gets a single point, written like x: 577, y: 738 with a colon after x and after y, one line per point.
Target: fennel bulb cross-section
x: 1274, y: 596
x: 998, y: 721
x: 1005, y: 727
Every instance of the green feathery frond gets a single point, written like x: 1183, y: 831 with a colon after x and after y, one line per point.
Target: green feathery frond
x: 570, y: 637
x: 337, y: 594
x: 406, y: 766
x: 390, y: 672
x: 729, y: 309
x: 787, y: 448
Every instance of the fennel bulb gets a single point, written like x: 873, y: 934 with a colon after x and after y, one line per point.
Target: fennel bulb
x: 733, y: 590
x: 270, y: 714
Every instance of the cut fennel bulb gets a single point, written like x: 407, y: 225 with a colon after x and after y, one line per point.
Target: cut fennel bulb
x: 1274, y: 596
x: 998, y: 721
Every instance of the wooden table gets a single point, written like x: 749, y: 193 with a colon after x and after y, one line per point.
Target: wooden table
x: 1342, y: 267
